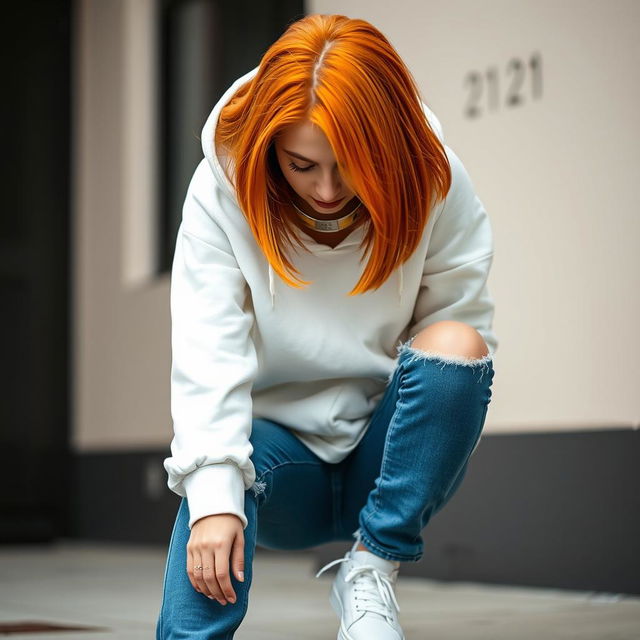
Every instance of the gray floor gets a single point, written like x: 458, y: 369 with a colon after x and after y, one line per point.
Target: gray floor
x: 118, y: 588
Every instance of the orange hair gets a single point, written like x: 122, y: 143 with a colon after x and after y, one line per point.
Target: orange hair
x: 344, y: 76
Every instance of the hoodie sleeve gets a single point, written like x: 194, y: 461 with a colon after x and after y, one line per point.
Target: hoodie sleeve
x: 214, y: 362
x: 458, y: 261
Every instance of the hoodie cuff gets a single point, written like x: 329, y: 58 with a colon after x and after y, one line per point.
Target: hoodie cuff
x: 215, y: 489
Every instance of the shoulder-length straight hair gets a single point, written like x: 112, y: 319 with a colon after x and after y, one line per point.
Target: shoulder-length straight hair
x: 344, y: 76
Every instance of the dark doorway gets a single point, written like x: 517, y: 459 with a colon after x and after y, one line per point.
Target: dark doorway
x: 35, y: 270
x: 204, y: 46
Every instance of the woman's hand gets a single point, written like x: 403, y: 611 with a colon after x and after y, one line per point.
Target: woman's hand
x: 215, y: 540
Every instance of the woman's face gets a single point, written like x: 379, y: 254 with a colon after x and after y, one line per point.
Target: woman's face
x: 309, y: 166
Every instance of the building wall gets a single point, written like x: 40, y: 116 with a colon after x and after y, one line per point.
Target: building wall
x: 553, y: 154
x: 555, y: 172
x: 121, y: 314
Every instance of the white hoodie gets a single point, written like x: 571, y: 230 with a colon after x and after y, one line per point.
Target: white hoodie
x: 245, y: 344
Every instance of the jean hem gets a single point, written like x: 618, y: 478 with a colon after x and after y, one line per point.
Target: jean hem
x: 368, y: 542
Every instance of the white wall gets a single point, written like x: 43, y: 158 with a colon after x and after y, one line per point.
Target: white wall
x: 556, y: 175
x: 121, y: 309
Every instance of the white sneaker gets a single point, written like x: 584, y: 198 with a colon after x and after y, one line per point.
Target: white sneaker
x: 362, y: 595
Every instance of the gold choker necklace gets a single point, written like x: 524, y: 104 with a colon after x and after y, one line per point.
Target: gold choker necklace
x: 329, y: 225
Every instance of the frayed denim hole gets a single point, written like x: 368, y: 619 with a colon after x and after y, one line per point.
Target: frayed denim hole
x: 259, y: 489
x: 408, y: 355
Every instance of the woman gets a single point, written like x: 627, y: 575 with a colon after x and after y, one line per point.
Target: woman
x: 307, y: 414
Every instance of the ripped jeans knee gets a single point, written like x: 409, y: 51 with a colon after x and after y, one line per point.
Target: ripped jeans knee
x: 413, y: 354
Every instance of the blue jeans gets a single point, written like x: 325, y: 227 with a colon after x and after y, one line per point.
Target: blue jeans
x: 409, y: 463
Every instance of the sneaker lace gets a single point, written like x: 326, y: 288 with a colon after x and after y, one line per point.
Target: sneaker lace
x: 375, y: 588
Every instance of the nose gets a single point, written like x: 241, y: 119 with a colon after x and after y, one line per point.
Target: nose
x: 329, y: 187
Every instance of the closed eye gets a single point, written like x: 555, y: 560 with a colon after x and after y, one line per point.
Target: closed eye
x: 295, y: 167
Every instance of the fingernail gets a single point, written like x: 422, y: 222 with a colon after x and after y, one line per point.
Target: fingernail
x: 241, y: 574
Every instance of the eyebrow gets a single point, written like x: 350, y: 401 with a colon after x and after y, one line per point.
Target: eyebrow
x: 297, y: 155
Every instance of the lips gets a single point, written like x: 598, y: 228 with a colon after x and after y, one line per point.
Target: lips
x: 328, y: 204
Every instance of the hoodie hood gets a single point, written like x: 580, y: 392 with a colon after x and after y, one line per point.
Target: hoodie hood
x: 217, y: 159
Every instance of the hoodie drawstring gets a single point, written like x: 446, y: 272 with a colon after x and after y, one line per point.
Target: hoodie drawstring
x: 272, y: 287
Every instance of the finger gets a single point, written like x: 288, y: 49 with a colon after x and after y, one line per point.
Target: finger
x: 197, y: 575
x: 222, y: 572
x: 237, y: 557
x: 199, y: 568
x: 190, y: 571
x: 211, y: 586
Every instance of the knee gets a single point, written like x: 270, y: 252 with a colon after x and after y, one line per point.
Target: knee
x: 451, y: 337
